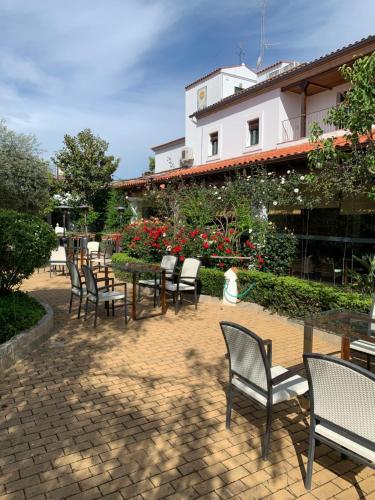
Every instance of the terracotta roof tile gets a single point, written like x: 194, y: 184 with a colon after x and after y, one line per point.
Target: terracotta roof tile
x: 207, y: 168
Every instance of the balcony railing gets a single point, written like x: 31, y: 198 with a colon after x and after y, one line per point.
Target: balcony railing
x: 300, y: 126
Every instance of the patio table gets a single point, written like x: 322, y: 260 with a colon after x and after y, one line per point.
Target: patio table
x: 136, y: 269
x: 346, y: 324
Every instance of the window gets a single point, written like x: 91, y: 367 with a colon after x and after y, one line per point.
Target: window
x: 214, y: 139
x: 238, y: 89
x: 253, y: 132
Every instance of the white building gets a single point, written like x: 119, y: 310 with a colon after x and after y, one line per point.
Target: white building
x: 235, y: 111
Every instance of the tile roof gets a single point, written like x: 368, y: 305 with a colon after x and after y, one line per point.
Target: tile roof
x: 289, y: 152
x: 279, y: 78
x: 169, y: 143
x: 212, y: 73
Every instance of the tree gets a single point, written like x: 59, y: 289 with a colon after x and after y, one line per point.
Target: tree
x: 87, y: 169
x: 338, y: 172
x: 151, y: 166
x: 25, y: 177
x: 115, y: 220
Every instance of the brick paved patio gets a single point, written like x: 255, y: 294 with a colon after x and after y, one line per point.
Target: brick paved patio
x: 140, y: 413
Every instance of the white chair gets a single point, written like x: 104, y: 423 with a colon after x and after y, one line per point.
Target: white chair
x: 342, y: 409
x: 251, y: 373
x: 58, y: 259
x: 187, y: 281
x: 99, y: 295
x: 168, y: 263
x: 92, y: 249
x: 363, y: 346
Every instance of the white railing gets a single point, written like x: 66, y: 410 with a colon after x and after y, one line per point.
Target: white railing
x: 292, y: 129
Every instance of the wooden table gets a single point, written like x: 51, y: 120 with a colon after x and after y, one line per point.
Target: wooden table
x: 136, y: 269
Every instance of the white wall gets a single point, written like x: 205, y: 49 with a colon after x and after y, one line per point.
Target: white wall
x: 231, y: 125
x: 168, y: 158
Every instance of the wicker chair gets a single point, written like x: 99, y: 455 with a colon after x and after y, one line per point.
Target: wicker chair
x: 58, y: 259
x: 98, y: 295
x: 101, y: 259
x: 363, y: 346
x: 186, y: 281
x: 250, y: 372
x: 168, y: 263
x: 342, y: 409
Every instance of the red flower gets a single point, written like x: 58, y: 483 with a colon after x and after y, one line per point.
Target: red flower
x: 250, y: 245
x: 227, y: 239
x: 183, y: 241
x: 231, y: 231
x: 228, y: 250
x: 214, y: 255
x: 220, y: 247
x: 176, y: 249
x: 136, y: 238
x: 206, y: 245
x: 194, y: 233
x: 221, y: 264
x: 204, y: 236
x: 182, y: 258
x: 260, y: 259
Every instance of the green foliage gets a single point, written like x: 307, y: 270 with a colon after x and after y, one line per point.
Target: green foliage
x: 26, y: 243
x: 86, y: 167
x: 18, y: 312
x: 365, y: 282
x: 338, y: 172
x: 25, y: 177
x: 279, y: 252
x: 115, y: 221
x: 151, y: 166
x: 289, y: 296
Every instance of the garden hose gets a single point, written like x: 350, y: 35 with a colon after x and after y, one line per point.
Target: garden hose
x: 239, y: 295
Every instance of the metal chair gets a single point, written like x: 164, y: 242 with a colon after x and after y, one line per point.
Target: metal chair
x: 168, y: 263
x: 342, y: 409
x: 363, y: 346
x: 58, y: 259
x: 101, y: 259
x: 186, y: 281
x: 98, y: 295
x: 251, y: 373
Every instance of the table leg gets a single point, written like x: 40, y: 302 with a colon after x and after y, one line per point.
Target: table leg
x: 308, y: 338
x: 81, y: 256
x: 163, y: 293
x: 134, y: 302
x: 345, y: 348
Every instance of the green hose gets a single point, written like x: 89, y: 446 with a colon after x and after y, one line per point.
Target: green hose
x: 240, y: 295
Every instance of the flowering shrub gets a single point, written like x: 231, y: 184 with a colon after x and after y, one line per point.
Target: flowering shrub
x: 150, y: 239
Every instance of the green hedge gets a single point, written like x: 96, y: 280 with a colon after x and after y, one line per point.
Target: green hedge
x: 285, y: 295
x: 18, y: 312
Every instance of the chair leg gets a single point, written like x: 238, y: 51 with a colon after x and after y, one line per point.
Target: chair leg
x: 175, y: 301
x: 79, y: 307
x: 126, y: 311
x: 113, y: 307
x: 96, y: 313
x: 195, y: 298
x: 267, y: 435
x: 70, y: 303
x: 86, y: 308
x: 229, y: 406
x: 154, y: 296
x: 310, y: 462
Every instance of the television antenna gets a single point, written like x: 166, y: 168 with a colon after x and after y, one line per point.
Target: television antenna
x: 241, y: 52
x: 264, y: 43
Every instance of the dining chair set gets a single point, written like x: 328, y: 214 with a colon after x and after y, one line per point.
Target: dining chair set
x: 86, y: 285
x: 341, y: 395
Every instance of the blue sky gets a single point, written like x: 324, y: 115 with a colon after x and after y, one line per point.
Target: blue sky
x: 119, y: 67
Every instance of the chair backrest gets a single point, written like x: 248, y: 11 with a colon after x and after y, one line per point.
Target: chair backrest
x: 93, y: 246
x: 190, y: 270
x: 371, y: 326
x: 342, y: 393
x: 91, y: 286
x: 247, y: 356
x: 59, y: 254
x: 168, y: 262
x: 75, y: 278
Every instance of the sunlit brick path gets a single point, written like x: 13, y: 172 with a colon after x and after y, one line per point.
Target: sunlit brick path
x: 139, y: 413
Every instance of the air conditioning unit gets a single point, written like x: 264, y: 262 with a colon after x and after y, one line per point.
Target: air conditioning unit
x: 187, y: 156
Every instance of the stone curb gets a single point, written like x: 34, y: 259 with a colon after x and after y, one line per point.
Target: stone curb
x: 23, y: 343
